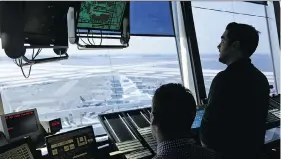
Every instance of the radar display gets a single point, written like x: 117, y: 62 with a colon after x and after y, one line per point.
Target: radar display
x: 101, y: 15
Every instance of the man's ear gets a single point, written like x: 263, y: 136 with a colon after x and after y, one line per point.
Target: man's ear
x: 236, y: 45
x: 154, y: 120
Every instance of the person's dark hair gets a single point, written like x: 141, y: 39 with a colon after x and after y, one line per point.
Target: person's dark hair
x: 246, y: 34
x: 174, y: 108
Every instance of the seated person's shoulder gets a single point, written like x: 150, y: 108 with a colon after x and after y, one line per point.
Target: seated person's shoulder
x: 191, y: 152
x: 204, y: 153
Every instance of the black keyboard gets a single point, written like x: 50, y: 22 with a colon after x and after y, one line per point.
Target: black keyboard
x: 122, y: 136
x: 276, y: 98
x: 273, y: 116
x: 148, y: 137
x: 273, y: 104
x: 273, y: 119
x: 133, y: 149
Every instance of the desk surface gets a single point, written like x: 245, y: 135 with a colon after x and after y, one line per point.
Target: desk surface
x: 272, y: 135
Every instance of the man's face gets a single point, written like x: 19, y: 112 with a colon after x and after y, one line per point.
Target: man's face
x: 227, y: 51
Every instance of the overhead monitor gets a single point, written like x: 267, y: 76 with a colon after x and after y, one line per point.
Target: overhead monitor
x: 78, y: 144
x: 101, y: 15
x: 32, y: 24
x: 19, y: 149
x: 20, y: 124
x: 98, y: 20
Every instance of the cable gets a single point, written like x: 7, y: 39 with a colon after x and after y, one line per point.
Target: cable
x: 100, y: 37
x: 82, y: 39
x: 93, y: 38
x: 88, y: 37
x: 21, y: 67
x: 19, y: 62
x: 38, y: 51
x: 23, y: 71
x: 218, y: 10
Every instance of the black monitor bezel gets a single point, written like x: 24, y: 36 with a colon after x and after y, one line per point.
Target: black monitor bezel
x: 94, y: 148
x: 17, y: 143
x: 5, y: 127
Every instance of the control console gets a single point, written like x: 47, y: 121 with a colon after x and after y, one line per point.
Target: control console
x: 273, y: 116
x: 141, y: 124
x: 125, y: 139
x: 131, y: 133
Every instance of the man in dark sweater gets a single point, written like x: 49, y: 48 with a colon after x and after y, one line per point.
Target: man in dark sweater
x: 235, y: 116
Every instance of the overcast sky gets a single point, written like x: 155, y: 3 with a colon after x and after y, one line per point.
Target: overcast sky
x: 209, y: 27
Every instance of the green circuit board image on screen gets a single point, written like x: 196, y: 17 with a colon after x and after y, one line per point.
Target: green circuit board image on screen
x: 103, y: 15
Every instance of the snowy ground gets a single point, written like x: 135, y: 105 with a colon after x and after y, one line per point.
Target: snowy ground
x: 78, y: 92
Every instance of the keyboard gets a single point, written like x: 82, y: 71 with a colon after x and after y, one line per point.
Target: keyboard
x: 133, y: 149
x: 20, y: 152
x: 146, y: 133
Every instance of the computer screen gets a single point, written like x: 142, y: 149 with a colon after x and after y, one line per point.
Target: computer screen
x: 198, y: 119
x: 54, y: 126
x: 78, y: 144
x: 23, y: 149
x: 101, y: 15
x: 20, y: 124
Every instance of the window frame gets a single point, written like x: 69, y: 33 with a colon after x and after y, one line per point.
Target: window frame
x: 1, y: 103
x: 159, y: 35
x: 276, y: 6
x: 274, y: 42
x: 193, y: 50
x: 257, y: 2
x: 183, y: 49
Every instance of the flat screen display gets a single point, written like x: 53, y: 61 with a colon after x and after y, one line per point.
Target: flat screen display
x: 101, y: 15
x: 21, y: 124
x: 78, y: 144
x: 198, y: 119
x: 55, y: 125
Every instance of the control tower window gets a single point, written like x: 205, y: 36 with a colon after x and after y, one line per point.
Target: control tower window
x: 216, y: 15
x: 91, y: 82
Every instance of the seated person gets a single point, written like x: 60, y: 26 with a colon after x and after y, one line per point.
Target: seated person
x: 173, y: 112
